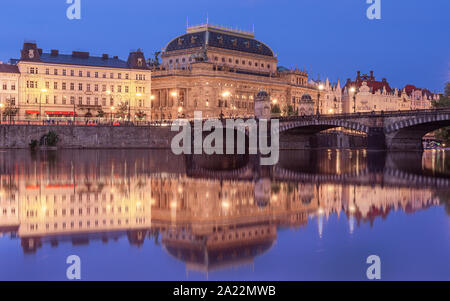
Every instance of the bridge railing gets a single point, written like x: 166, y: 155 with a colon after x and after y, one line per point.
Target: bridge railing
x: 398, y: 113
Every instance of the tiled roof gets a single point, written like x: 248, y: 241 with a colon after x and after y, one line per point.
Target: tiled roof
x: 6, y: 68
x: 219, y: 40
x: 87, y: 61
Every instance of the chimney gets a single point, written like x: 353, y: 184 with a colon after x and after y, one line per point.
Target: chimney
x: 54, y: 52
x: 105, y: 56
x: 80, y: 54
x: 371, y: 75
x: 358, y: 75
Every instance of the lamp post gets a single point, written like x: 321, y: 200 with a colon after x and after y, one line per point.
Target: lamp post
x: 353, y: 91
x: 225, y: 95
x: 1, y: 113
x: 40, y: 103
x: 112, y: 112
x: 73, y: 113
x: 320, y: 88
x: 129, y: 105
x: 174, y: 94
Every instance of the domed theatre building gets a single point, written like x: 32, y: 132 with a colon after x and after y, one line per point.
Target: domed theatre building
x: 218, y: 70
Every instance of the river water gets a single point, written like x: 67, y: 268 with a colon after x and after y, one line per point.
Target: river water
x: 151, y: 215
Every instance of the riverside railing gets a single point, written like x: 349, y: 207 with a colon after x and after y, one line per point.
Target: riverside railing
x: 97, y: 121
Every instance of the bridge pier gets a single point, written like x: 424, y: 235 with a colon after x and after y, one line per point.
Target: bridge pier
x: 376, y: 138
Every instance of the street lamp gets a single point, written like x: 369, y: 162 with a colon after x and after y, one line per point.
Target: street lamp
x: 225, y: 95
x: 112, y: 112
x: 318, y: 99
x: 129, y: 105
x: 353, y: 91
x: 43, y: 90
x: 1, y: 108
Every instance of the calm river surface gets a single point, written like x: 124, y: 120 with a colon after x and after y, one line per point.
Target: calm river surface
x: 151, y: 215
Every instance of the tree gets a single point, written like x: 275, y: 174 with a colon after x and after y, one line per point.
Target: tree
x: 10, y: 109
x: 140, y: 115
x: 101, y: 113
x: 122, y: 109
x: 443, y: 102
x: 50, y: 139
x: 276, y: 109
x: 288, y: 110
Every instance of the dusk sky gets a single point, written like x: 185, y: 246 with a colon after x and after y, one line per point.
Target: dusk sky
x: 334, y: 38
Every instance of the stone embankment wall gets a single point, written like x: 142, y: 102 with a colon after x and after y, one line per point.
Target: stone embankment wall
x: 19, y: 136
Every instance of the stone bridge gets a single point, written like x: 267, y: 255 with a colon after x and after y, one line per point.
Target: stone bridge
x: 401, y: 130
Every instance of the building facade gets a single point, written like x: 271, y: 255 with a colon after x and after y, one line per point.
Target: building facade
x: 9, y: 88
x: 366, y: 94
x: 54, y: 85
x: 218, y: 70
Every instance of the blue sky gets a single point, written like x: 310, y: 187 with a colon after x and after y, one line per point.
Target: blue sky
x: 334, y: 38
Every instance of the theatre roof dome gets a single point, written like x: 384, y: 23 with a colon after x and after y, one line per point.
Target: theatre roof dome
x: 219, y: 37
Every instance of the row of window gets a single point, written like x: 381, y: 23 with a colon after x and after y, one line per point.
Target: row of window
x: 35, y: 227
x: 12, y: 87
x: 224, y: 60
x: 112, y: 75
x: 5, y: 211
x: 242, y: 62
x: 87, y: 87
x: 82, y: 101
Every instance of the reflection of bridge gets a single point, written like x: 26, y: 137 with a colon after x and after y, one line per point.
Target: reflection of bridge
x: 391, y: 130
x: 385, y: 169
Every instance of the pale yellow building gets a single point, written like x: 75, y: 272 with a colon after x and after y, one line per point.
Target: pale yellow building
x: 366, y: 94
x: 57, y: 86
x: 9, y: 88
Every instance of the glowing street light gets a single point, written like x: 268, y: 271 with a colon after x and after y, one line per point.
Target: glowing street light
x: 318, y: 99
x: 112, y: 111
x: 108, y: 92
x: 43, y: 90
x: 174, y: 94
x: 353, y: 90
x: 138, y: 94
x: 226, y: 94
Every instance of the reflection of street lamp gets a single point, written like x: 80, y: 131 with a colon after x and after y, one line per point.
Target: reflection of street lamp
x: 353, y: 91
x: 40, y: 95
x: 318, y: 98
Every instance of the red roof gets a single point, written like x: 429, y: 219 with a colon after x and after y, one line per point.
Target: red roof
x: 373, y: 84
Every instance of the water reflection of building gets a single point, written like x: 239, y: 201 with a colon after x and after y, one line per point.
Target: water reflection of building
x: 207, y: 223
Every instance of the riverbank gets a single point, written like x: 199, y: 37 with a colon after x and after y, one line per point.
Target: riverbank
x: 153, y: 137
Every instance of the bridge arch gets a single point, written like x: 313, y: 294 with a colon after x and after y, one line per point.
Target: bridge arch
x: 318, y: 125
x: 408, y: 133
x: 427, y: 123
